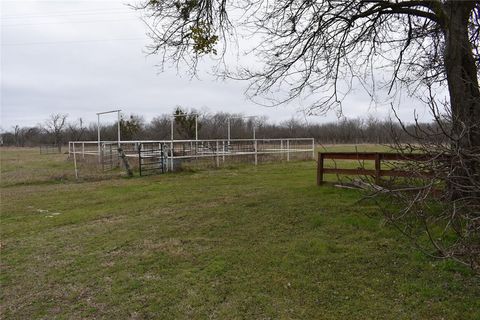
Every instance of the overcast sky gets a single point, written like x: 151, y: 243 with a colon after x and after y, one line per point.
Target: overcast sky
x: 82, y: 57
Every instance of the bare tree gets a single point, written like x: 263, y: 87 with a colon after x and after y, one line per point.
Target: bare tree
x: 215, y: 126
x: 76, y: 130
x: 55, y: 126
x: 16, y: 135
x: 292, y: 126
x: 158, y: 128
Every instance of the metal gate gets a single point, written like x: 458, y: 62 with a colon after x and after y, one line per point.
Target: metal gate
x: 109, y: 158
x: 151, y: 158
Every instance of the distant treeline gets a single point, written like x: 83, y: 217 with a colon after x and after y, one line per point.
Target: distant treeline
x: 57, y: 129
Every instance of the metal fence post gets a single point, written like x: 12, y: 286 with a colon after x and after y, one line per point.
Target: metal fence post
x: 162, y: 153
x: 171, y: 156
x: 102, y: 154
x: 140, y: 160
x: 216, y: 154
x: 74, y: 160
x: 256, y: 151
x: 281, y: 149
x: 313, y: 148
x: 288, y: 149
x: 223, y: 151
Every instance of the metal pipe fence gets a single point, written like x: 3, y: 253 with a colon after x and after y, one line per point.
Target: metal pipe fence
x: 181, y: 154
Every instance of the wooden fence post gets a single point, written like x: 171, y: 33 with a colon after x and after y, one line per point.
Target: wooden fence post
x: 377, y: 168
x: 320, y: 169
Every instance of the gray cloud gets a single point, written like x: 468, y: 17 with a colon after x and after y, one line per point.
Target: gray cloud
x: 80, y: 57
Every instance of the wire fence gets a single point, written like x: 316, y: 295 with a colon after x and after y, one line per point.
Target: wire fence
x: 50, y: 149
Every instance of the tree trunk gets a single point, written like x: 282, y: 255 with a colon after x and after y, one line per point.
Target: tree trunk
x: 462, y: 74
x: 58, y: 144
x: 125, y: 162
x: 464, y: 91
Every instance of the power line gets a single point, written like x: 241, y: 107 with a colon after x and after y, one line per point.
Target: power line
x: 66, y: 22
x: 67, y: 42
x: 67, y: 13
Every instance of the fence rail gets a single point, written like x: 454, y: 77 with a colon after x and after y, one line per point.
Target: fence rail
x: 378, y: 157
x: 218, y: 150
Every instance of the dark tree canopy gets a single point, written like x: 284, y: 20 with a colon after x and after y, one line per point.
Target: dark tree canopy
x: 131, y: 126
x: 187, y: 123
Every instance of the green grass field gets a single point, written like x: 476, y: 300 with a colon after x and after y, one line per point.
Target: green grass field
x: 242, y: 243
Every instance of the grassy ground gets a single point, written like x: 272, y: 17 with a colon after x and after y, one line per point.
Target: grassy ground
x: 249, y: 243
x: 26, y: 165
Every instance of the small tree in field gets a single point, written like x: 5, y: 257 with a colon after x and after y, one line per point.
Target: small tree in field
x: 16, y: 135
x: 55, y: 126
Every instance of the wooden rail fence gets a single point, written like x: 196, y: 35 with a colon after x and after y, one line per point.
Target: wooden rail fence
x: 378, y: 157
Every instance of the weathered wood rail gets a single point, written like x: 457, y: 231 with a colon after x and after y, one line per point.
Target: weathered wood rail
x: 378, y: 157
